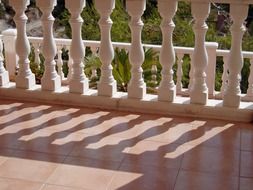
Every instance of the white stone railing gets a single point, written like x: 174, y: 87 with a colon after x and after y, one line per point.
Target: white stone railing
x: 203, y: 61
x: 36, y: 43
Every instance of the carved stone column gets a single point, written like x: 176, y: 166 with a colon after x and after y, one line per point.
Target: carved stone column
x: 199, y: 90
x: 107, y: 85
x: 51, y: 80
x: 25, y: 78
x: 167, y: 88
x: 137, y: 86
x: 78, y: 82
x: 232, y: 95
x: 4, y: 75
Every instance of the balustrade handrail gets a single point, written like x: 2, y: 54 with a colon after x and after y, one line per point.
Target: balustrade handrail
x: 125, y: 45
x: 122, y: 45
x: 246, y: 54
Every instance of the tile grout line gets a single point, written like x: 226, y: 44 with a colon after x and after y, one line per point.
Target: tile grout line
x: 121, y: 163
x: 240, y: 153
x: 66, y: 186
x: 19, y: 179
x: 58, y: 165
x: 180, y: 167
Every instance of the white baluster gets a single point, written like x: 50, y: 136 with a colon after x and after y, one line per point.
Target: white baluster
x: 224, y: 75
x: 250, y: 88
x: 211, y: 48
x: 154, y: 74
x: 94, y: 73
x: 167, y: 89
x: 199, y: 90
x: 10, y: 54
x: 180, y: 62
x: 25, y: 78
x: 60, y: 62
x: 232, y: 96
x: 4, y: 75
x: 37, y: 54
x: 70, y: 65
x: 51, y: 80
x: 191, y: 73
x: 107, y: 85
x: 137, y: 86
x: 94, y: 50
x: 79, y: 82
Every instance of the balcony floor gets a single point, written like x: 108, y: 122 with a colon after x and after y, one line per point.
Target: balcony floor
x: 48, y: 147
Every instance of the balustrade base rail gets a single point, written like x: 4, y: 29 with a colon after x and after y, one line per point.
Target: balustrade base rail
x: 150, y: 104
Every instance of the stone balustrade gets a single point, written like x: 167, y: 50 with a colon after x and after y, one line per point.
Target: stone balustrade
x: 199, y: 99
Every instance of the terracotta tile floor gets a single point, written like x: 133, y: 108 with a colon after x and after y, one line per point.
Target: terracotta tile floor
x: 47, y: 147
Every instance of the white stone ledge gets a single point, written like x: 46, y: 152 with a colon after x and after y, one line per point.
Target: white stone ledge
x: 180, y: 107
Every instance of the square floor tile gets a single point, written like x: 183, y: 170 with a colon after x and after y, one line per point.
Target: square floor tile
x: 14, y: 184
x: 212, y: 160
x: 213, y: 133
x: 5, y: 154
x: 9, y: 141
x: 30, y: 166
x: 247, y: 138
x: 144, y: 178
x: 246, y: 183
x: 246, y: 164
x: 203, y: 181
x: 84, y: 173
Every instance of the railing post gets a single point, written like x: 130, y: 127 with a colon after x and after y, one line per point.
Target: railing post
x: 211, y: 48
x: 11, y: 59
x: 78, y: 82
x: 154, y: 74
x: 199, y: 91
x: 4, y: 75
x: 224, y: 75
x: 37, y: 54
x: 167, y: 88
x: 250, y: 88
x: 107, y: 85
x: 50, y: 81
x: 191, y: 72
x: 179, y: 86
x: 232, y: 96
x: 59, y: 62
x: 70, y: 65
x: 25, y: 78
x: 137, y: 86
